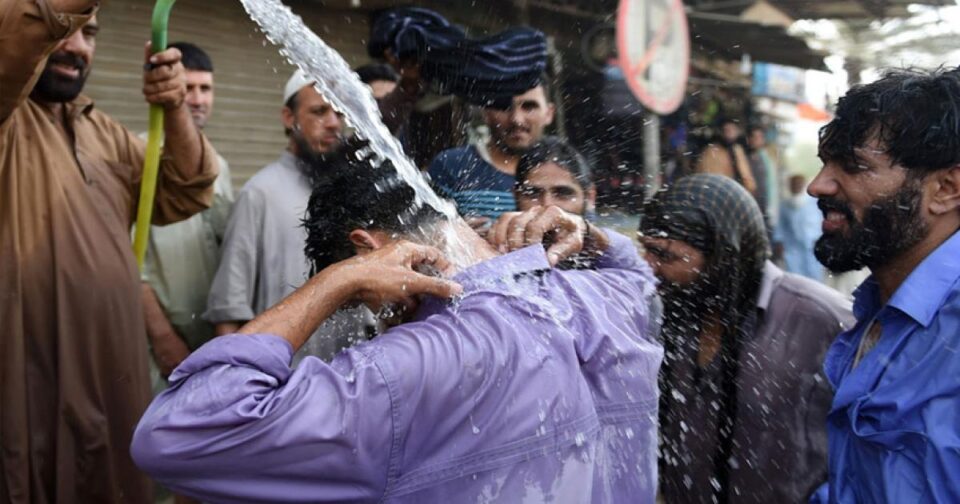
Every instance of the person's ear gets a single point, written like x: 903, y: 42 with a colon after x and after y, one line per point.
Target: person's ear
x: 946, y: 191
x: 288, y: 117
x: 365, y: 241
x: 551, y: 112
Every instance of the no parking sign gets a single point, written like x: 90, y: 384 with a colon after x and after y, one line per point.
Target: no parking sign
x: 653, y: 40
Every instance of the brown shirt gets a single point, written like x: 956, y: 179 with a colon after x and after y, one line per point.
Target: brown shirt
x: 73, y: 370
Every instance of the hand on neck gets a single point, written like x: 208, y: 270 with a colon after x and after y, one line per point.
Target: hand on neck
x: 462, y: 246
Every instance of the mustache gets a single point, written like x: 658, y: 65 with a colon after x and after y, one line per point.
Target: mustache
x: 68, y: 59
x: 834, y: 205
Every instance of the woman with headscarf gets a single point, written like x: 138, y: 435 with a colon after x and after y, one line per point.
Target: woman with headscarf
x: 743, y: 402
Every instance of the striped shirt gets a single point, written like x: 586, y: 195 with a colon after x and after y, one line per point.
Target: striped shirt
x: 479, y: 189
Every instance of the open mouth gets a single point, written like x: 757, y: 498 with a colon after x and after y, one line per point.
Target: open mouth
x: 833, y: 221
x: 66, y: 70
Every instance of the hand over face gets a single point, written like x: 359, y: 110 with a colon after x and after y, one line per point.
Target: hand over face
x: 390, y: 275
x: 164, y: 79
x: 562, y: 232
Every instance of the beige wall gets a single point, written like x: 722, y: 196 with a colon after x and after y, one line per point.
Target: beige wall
x: 249, y: 71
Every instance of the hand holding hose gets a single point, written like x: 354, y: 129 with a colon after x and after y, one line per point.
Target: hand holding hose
x: 164, y: 78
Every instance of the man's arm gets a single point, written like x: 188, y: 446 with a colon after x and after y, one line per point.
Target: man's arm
x: 167, y: 347
x: 238, y: 424
x: 29, y: 31
x: 232, y: 296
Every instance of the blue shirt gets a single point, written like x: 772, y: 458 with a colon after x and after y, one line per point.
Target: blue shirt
x: 894, y: 426
x: 479, y: 189
x: 539, y: 385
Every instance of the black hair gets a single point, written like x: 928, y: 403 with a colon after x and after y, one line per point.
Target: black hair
x: 915, y: 114
x: 547, y: 86
x: 193, y: 58
x: 377, y: 72
x: 555, y: 150
x: 362, y: 192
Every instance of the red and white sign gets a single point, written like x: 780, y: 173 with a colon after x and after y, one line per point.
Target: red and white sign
x: 653, y: 41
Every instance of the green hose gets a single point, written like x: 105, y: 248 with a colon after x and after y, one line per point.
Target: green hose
x: 151, y: 160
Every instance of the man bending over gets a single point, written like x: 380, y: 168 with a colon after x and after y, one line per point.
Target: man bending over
x: 533, y: 384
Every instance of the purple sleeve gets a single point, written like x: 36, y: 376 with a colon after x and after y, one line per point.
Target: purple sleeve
x: 238, y: 424
x: 622, y: 253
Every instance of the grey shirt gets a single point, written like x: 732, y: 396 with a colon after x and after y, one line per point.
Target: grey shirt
x: 263, y: 259
x: 779, y: 449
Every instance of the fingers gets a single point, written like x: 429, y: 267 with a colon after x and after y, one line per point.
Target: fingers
x: 170, y: 56
x: 517, y: 231
x: 418, y: 284
x: 414, y: 255
x: 164, y: 79
x: 497, y: 234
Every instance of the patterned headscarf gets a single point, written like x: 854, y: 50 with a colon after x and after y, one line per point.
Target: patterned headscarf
x: 718, y: 217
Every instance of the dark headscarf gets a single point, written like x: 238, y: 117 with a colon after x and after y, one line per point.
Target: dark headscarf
x: 718, y: 217
x: 485, y: 71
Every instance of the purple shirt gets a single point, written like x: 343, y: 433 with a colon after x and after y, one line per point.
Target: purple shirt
x: 538, y: 385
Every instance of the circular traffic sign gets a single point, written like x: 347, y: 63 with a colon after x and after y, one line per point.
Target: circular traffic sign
x: 653, y: 41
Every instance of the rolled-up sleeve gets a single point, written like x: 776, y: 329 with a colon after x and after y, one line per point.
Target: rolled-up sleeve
x: 29, y: 31
x: 238, y: 424
x: 177, y: 197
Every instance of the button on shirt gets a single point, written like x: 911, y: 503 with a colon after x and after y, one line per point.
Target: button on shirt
x: 537, y: 386
x: 894, y: 426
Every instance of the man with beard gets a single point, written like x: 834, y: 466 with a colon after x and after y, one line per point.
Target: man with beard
x: 533, y: 385
x: 742, y: 396
x: 889, y: 190
x: 725, y: 156
x: 73, y: 350
x: 480, y: 178
x: 262, y: 260
x: 553, y: 173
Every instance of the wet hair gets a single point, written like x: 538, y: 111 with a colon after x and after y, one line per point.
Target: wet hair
x: 362, y: 192
x: 554, y: 150
x: 193, y: 58
x: 914, y: 113
x: 377, y: 72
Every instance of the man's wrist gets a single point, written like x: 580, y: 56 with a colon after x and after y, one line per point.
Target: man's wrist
x: 595, y: 241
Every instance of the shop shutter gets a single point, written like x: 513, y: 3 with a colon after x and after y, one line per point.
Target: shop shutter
x: 249, y: 72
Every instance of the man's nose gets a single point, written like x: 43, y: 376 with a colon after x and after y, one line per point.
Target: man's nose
x: 193, y: 97
x: 77, y: 45
x: 824, y: 184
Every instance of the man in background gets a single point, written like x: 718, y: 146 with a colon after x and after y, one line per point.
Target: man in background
x: 183, y: 257
x: 480, y: 178
x: 553, y: 173
x: 263, y: 259
x: 725, y: 156
x: 743, y: 396
x: 797, y: 231
x: 381, y: 78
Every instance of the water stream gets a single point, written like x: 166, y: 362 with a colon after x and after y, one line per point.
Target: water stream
x: 340, y: 86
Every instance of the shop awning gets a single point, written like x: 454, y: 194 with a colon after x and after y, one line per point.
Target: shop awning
x: 732, y: 37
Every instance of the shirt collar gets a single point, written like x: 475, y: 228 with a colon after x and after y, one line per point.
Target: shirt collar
x: 923, y: 292
x: 771, y: 276
x: 493, y: 273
